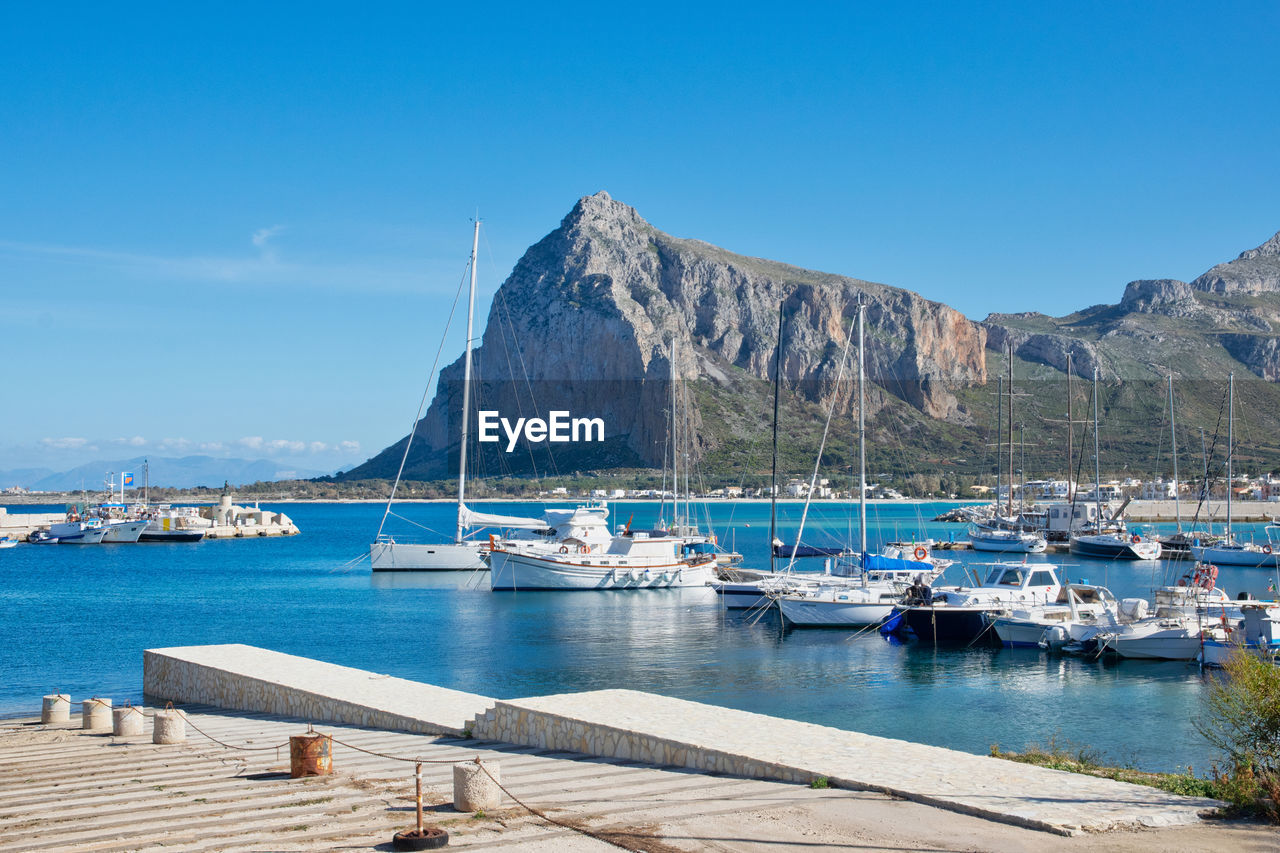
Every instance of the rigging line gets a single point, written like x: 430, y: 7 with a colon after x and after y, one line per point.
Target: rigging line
x: 416, y: 524
x: 425, y: 393
x: 524, y: 371
x: 844, y: 359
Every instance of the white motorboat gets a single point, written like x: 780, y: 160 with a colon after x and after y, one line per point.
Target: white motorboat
x: 1257, y: 632
x: 963, y: 614
x: 1049, y: 625
x: 580, y: 553
x: 7, y: 542
x: 123, y: 530
x: 174, y: 524
x: 1174, y: 632
x: 89, y: 532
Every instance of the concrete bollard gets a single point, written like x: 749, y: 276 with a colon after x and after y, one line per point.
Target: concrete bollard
x: 56, y: 709
x: 95, y: 714
x: 169, y: 727
x: 473, y: 789
x: 128, y: 721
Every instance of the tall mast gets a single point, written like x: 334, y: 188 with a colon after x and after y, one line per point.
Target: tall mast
x: 1071, y: 431
x: 146, y: 482
x: 1231, y: 445
x: 773, y: 491
x: 862, y: 434
x: 1173, y: 437
x: 999, y: 439
x: 466, y: 386
x: 1010, y: 426
x: 675, y: 445
x: 1097, y: 468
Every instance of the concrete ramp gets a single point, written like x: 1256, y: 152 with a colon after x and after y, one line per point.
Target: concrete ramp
x: 247, y: 678
x: 664, y: 731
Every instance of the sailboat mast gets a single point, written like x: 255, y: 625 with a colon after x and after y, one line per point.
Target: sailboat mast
x: 466, y: 386
x: 1173, y: 438
x: 999, y: 440
x: 1097, y: 468
x: 862, y: 433
x: 675, y: 445
x: 1071, y: 431
x: 773, y: 491
x: 1231, y: 445
x: 1009, y: 511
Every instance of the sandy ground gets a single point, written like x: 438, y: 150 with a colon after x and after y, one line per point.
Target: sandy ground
x: 689, y: 813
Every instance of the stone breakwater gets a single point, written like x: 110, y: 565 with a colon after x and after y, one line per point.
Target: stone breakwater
x: 659, y: 730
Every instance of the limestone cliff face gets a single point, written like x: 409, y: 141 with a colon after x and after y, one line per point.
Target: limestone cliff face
x: 1226, y: 318
x: 590, y: 311
x: 1253, y: 272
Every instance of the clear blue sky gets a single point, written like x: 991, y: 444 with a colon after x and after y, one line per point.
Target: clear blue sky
x: 235, y: 227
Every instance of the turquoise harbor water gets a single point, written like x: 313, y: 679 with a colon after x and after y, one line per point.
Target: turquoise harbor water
x: 78, y: 618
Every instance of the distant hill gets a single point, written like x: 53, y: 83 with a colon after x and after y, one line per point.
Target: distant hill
x: 586, y: 318
x: 179, y: 473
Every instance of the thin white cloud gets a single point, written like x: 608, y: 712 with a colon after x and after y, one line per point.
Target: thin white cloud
x: 134, y: 441
x: 262, y: 238
x: 349, y: 446
x: 67, y: 443
x: 414, y: 275
x: 253, y: 442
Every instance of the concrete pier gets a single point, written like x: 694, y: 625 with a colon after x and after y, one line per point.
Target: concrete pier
x: 658, y: 730
x: 247, y: 678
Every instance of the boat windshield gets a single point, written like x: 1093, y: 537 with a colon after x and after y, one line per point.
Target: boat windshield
x: 1004, y: 577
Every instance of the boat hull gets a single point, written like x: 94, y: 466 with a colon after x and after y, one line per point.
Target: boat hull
x: 817, y: 613
x: 510, y: 572
x: 405, y: 557
x: 124, y: 532
x: 1245, y: 557
x: 740, y: 596
x: 949, y: 624
x: 171, y: 536
x: 1008, y: 546
x: 1115, y: 549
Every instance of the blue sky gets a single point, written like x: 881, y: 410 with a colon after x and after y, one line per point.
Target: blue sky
x: 236, y: 229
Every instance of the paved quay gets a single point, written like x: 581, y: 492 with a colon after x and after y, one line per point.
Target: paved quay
x: 248, y: 678
x: 658, y: 730
x: 661, y: 730
x: 67, y: 789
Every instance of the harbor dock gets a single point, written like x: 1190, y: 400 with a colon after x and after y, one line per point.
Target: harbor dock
x: 611, y: 768
x: 631, y: 726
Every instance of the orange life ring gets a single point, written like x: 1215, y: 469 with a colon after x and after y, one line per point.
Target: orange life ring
x: 1135, y: 539
x: 920, y: 552
x: 564, y: 549
x: 584, y: 549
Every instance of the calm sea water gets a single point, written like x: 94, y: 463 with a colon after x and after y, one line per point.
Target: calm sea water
x: 77, y: 619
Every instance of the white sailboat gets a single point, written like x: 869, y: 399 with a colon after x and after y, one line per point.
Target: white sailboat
x: 1229, y: 552
x: 869, y: 596
x: 1104, y: 544
x: 388, y: 555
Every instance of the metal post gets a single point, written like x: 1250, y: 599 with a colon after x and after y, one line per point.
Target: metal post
x: 417, y: 778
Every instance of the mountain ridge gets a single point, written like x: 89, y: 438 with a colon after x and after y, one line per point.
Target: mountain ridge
x: 588, y: 313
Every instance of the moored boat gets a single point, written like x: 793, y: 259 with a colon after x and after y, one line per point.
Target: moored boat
x: 963, y: 614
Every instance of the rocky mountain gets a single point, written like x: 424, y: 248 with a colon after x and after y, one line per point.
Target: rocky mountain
x: 586, y: 321
x: 1222, y: 320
